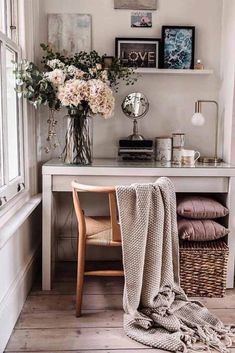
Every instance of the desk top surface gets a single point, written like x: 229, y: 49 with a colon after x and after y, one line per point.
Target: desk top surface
x: 116, y: 167
x: 115, y: 163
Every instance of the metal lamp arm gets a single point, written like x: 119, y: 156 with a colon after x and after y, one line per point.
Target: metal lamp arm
x: 198, y: 110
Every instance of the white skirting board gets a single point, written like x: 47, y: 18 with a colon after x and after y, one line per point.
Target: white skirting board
x: 11, y: 305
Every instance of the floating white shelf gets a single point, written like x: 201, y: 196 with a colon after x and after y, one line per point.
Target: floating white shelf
x: 173, y: 72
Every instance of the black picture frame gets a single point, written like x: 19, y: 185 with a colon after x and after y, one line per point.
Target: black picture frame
x: 185, y: 60
x: 139, y: 52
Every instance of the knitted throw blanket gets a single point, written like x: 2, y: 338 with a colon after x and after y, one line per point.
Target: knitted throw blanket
x: 157, y: 311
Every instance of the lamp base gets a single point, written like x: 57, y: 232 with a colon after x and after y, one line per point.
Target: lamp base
x: 210, y: 160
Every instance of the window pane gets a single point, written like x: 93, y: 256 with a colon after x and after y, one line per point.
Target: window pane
x: 12, y: 118
x: 14, y: 20
x: 3, y: 16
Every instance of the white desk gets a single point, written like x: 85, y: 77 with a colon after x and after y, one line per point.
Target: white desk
x: 57, y: 177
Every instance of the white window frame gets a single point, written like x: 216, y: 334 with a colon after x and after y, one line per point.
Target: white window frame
x: 12, y: 188
x: 9, y: 16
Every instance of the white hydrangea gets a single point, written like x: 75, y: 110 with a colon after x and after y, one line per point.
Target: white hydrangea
x: 73, y: 92
x: 104, y: 76
x: 55, y: 64
x: 56, y: 77
x: 98, y: 95
x: 101, y: 99
x: 74, y: 71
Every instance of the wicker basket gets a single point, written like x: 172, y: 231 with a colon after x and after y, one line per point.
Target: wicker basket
x: 203, y: 268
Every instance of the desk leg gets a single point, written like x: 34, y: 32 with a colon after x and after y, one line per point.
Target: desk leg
x: 231, y: 236
x: 47, y: 208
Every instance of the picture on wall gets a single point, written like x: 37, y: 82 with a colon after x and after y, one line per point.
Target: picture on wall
x: 69, y: 33
x: 138, y: 52
x: 178, y: 47
x: 141, y: 19
x: 135, y: 4
x: 107, y: 61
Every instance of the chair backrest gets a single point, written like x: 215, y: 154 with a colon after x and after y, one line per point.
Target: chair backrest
x: 110, y: 190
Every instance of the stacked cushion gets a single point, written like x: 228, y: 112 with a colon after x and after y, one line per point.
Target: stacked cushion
x: 200, y: 207
x: 200, y: 230
x: 196, y: 221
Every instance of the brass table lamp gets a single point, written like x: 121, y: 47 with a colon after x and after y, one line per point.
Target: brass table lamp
x: 199, y: 120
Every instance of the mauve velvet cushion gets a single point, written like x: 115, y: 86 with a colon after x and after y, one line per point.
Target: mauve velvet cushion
x: 200, y: 230
x: 200, y: 207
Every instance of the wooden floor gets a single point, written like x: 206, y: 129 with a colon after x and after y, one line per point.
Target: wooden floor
x: 48, y: 323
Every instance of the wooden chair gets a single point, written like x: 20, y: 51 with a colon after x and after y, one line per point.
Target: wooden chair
x: 99, y: 231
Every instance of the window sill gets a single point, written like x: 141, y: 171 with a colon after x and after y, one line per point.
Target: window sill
x: 8, y: 210
x: 11, y: 226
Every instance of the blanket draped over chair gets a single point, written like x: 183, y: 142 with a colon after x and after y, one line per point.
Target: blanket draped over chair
x: 157, y: 311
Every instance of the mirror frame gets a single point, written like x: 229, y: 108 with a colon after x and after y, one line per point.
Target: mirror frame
x: 132, y: 116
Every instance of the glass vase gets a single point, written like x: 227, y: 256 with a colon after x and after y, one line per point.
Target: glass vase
x: 78, y: 139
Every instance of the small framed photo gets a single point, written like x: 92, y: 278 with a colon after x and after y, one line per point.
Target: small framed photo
x: 135, y: 4
x: 138, y: 52
x: 141, y: 19
x: 178, y: 47
x: 107, y: 62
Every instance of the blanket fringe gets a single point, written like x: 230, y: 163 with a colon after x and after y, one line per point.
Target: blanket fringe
x: 209, y: 338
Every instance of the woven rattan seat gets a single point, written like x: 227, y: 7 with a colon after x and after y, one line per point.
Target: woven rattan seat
x: 99, y: 231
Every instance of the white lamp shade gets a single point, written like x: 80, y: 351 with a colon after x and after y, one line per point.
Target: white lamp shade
x: 198, y: 119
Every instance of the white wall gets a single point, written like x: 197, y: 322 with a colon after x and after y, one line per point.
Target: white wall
x: 18, y: 265
x: 227, y: 93
x: 171, y: 97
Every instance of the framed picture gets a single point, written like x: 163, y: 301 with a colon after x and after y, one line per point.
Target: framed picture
x: 107, y: 62
x: 135, y: 4
x: 69, y: 33
x: 138, y: 52
x: 141, y: 19
x: 178, y: 47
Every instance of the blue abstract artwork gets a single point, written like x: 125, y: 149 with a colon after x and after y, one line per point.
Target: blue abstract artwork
x: 178, y: 47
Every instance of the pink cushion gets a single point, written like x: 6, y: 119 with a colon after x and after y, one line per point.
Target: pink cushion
x: 200, y: 230
x: 200, y: 207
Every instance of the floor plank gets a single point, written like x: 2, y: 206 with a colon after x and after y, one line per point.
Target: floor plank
x: 104, y: 301
x: 228, y: 302
x: 139, y: 350
x: 67, y: 302
x: 90, y: 318
x: 70, y: 339
x: 67, y: 319
x: 129, y: 350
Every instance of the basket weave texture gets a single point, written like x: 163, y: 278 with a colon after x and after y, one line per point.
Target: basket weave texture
x: 203, y: 268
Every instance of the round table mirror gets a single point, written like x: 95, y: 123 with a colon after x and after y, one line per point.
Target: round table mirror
x: 135, y: 106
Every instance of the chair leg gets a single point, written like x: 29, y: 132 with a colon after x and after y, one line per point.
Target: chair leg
x: 80, y: 275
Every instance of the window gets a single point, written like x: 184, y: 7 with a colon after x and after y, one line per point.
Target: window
x: 11, y: 129
x: 9, y: 19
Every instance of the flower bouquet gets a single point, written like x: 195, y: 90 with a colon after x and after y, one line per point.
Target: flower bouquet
x: 78, y: 83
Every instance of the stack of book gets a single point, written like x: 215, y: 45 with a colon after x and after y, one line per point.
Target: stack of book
x: 136, y: 150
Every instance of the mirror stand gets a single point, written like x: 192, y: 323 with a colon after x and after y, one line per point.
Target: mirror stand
x: 135, y: 136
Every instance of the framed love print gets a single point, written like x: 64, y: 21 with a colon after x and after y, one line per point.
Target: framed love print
x: 138, y: 52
